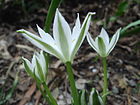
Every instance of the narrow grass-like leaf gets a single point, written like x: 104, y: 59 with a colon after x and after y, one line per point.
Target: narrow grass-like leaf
x: 95, y: 99
x: 126, y: 31
x: 122, y: 8
x: 83, y: 97
x: 5, y: 97
x: 54, y: 4
x: 9, y: 95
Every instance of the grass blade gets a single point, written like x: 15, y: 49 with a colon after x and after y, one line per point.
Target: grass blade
x: 54, y: 4
x: 126, y: 31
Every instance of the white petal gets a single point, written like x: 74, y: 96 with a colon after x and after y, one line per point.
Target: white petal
x: 62, y: 34
x: 104, y: 36
x: 45, y: 36
x: 42, y: 62
x: 76, y: 28
x: 28, y: 66
x: 113, y: 41
x: 34, y: 60
x: 83, y: 32
x: 37, y: 41
x: 92, y: 42
x: 27, y: 62
x: 76, y: 32
x: 36, y: 70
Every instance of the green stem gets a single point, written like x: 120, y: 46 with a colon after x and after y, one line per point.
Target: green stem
x: 105, y: 88
x: 53, y: 101
x: 74, y: 91
x: 43, y: 93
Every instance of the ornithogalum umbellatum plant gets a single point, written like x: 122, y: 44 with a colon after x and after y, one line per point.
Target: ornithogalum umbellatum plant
x: 64, y: 44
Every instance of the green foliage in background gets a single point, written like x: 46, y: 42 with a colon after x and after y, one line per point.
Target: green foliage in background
x: 92, y: 98
x: 131, y: 29
x: 27, y: 6
x: 51, y: 11
x: 4, y: 97
x: 122, y: 8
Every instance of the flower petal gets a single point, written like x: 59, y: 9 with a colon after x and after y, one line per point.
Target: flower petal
x: 28, y: 67
x: 92, y: 42
x: 101, y: 47
x: 76, y: 29
x: 113, y: 41
x: 62, y: 34
x: 76, y: 32
x: 104, y: 36
x: 45, y: 36
x: 37, y: 41
x: 83, y: 32
x: 39, y: 71
x: 42, y: 61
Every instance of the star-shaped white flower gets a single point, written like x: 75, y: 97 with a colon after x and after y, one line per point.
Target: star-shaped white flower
x: 37, y: 68
x: 102, y: 44
x: 65, y: 43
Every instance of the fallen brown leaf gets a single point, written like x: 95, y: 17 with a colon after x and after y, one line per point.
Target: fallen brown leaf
x: 28, y: 94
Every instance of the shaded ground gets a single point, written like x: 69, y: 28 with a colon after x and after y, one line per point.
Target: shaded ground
x: 123, y: 62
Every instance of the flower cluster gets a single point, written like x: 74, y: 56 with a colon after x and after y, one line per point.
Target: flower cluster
x: 63, y: 44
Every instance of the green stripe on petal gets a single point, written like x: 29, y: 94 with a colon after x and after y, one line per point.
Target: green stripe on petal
x: 27, y: 66
x: 41, y: 44
x: 62, y: 34
x: 92, y: 42
x: 101, y: 47
x: 113, y: 41
x: 40, y: 71
x: 104, y: 36
x: 80, y: 39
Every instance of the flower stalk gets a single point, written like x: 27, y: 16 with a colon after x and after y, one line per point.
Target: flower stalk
x: 43, y: 93
x: 105, y: 88
x: 74, y: 90
x: 53, y: 101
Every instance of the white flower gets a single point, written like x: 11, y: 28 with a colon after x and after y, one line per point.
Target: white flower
x: 37, y: 68
x: 102, y: 44
x: 64, y: 44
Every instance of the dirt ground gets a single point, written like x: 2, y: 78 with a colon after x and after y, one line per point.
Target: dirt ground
x: 123, y: 62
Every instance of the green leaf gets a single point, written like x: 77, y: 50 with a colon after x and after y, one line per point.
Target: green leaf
x: 54, y: 4
x: 5, y: 97
x: 127, y: 31
x: 95, y: 99
x: 122, y: 8
x: 83, y: 97
x: 9, y: 95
